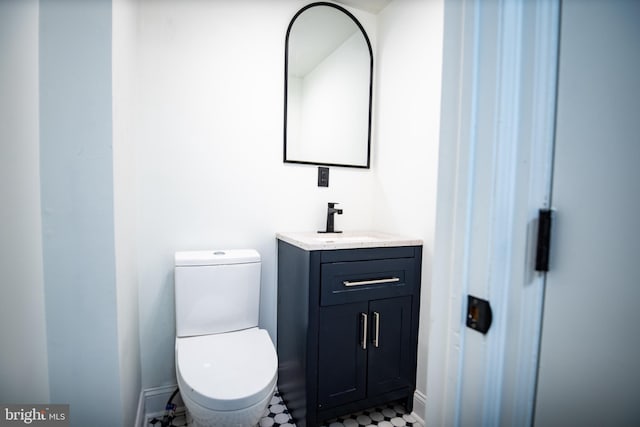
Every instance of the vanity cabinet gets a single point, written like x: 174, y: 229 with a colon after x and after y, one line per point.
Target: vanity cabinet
x: 347, y: 329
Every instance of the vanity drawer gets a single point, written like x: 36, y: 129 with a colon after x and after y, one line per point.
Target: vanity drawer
x: 346, y: 282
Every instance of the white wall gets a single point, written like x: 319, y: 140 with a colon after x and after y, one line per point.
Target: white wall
x: 124, y: 200
x: 24, y: 375
x: 407, y: 105
x: 208, y: 136
x: 196, y: 163
x: 209, y: 144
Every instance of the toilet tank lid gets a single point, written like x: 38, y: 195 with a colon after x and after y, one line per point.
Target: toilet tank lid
x: 216, y: 257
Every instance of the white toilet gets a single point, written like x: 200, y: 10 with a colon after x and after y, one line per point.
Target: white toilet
x: 226, y: 366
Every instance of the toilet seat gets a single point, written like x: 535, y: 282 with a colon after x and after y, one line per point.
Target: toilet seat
x: 228, y: 371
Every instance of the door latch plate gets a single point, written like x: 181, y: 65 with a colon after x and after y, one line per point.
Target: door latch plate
x: 479, y: 315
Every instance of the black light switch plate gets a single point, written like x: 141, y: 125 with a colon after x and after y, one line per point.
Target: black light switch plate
x: 323, y: 177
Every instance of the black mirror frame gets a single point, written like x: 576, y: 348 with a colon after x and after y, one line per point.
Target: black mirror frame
x: 286, y: 81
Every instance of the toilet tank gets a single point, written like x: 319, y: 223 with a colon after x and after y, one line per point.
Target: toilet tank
x: 216, y: 291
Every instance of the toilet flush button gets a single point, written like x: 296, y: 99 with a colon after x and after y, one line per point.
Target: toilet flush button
x: 219, y: 253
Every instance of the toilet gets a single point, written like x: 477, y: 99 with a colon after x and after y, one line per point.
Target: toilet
x: 226, y: 366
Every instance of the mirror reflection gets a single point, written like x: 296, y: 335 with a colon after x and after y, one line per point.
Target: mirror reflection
x: 328, y: 71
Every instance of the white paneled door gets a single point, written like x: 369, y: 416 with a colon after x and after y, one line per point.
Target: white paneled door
x: 589, y: 371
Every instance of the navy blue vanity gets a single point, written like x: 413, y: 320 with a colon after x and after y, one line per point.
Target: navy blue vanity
x: 348, y: 310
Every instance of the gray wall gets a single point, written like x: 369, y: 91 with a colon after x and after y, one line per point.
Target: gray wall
x: 77, y: 208
x: 65, y: 338
x: 23, y: 364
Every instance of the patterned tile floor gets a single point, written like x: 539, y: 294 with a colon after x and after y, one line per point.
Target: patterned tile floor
x: 392, y: 415
x: 277, y: 415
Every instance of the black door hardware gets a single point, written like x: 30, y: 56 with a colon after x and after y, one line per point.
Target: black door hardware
x: 479, y: 314
x: 544, y: 239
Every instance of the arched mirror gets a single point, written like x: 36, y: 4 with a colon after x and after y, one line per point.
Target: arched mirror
x: 328, y: 85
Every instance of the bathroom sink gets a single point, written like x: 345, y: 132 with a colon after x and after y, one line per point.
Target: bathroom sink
x: 337, y: 238
x: 311, y: 240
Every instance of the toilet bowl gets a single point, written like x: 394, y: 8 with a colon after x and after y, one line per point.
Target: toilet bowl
x: 227, y: 379
x: 225, y: 365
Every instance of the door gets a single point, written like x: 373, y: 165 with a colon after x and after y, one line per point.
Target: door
x: 589, y: 368
x: 342, y: 353
x: 389, y: 352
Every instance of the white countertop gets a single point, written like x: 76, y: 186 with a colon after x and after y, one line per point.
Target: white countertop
x: 314, y: 241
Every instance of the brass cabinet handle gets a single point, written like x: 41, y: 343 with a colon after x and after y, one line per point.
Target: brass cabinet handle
x: 363, y: 316
x: 370, y: 282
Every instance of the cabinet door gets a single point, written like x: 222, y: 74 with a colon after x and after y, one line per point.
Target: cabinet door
x: 390, y: 358
x: 342, y: 357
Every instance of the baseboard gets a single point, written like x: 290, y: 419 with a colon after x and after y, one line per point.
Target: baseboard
x: 419, y: 406
x: 140, y: 412
x: 152, y: 402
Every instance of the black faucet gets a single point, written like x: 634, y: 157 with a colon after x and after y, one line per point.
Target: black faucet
x: 331, y: 211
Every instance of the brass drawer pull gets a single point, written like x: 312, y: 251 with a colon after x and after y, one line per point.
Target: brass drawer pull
x: 370, y: 282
